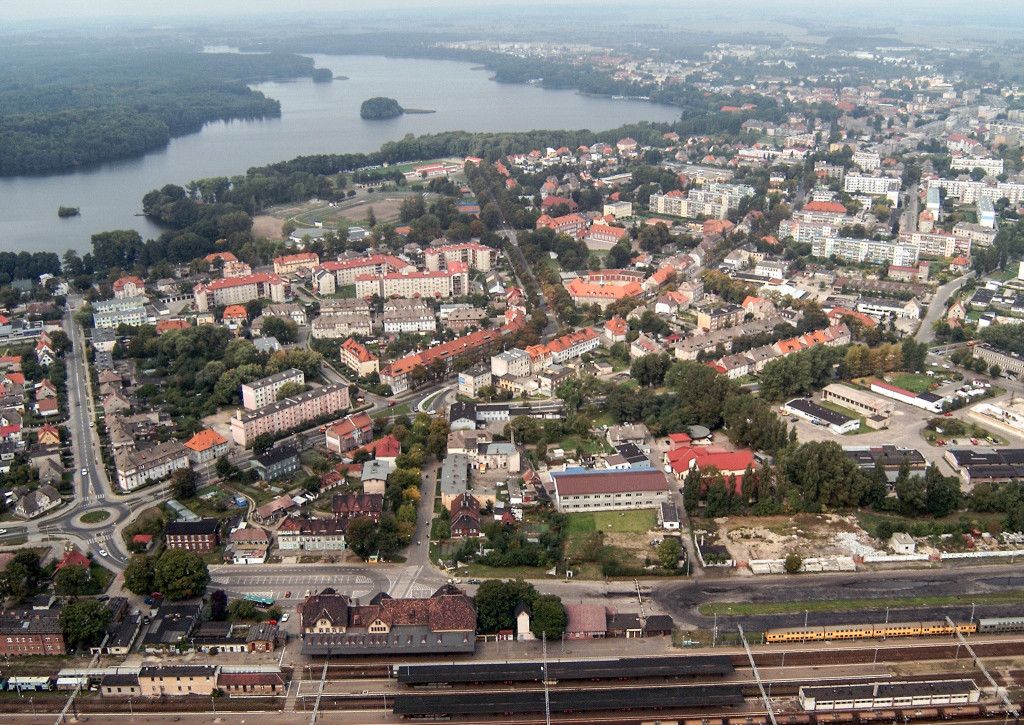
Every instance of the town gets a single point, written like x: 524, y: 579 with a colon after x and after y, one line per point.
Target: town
x: 461, y: 418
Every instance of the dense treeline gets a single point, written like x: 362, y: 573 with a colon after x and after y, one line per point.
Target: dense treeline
x: 80, y: 104
x: 27, y: 265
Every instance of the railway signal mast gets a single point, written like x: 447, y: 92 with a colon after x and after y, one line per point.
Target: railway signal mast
x: 757, y: 676
x: 547, y: 697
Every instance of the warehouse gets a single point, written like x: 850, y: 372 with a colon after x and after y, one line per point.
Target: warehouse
x: 859, y: 401
x: 636, y: 488
x: 820, y: 415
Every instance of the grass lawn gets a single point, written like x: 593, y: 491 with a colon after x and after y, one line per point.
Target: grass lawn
x: 94, y: 517
x: 13, y: 540
x: 100, y: 578
x: 1007, y: 273
x: 640, y: 520
x: 403, y: 409
x: 839, y: 605
x: 914, y: 382
x: 571, y: 443
x: 345, y: 292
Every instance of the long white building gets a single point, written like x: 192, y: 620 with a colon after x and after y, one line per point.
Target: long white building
x: 450, y: 282
x: 473, y: 254
x: 866, y: 250
x: 872, y: 186
x: 239, y: 290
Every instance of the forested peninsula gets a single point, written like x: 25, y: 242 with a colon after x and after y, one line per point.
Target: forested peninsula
x: 78, y: 104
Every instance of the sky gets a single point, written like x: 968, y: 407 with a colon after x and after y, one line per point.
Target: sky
x: 863, y: 12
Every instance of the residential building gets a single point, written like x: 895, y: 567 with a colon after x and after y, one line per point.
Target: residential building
x: 514, y: 362
x: 128, y: 287
x: 408, y: 315
x: 333, y: 274
x: 473, y: 254
x: 459, y: 320
x: 25, y: 632
x: 290, y: 413
x: 396, y: 374
x: 350, y: 432
x: 292, y: 263
x: 601, y: 236
x: 301, y: 534
x: 571, y: 224
x: 578, y: 490
x: 464, y: 514
x: 450, y: 282
x: 872, y: 186
x: 605, y: 287
x: 454, y: 478
x: 295, y: 313
x: 615, y: 330
x: 866, y: 250
x: 202, y: 535
x: 136, y: 467
x: 374, y: 476
x: 358, y: 359
x: 719, y: 318
x: 353, y: 505
x: 276, y: 462
x: 618, y: 209
x: 131, y: 316
x: 442, y: 624
x: 474, y: 378
x: 120, y: 685
x: 239, y: 290
x: 275, y: 509
x: 206, y: 445
x: 177, y: 681
x: 341, y: 325
x: 263, y: 392
x: 561, y: 349
x: 38, y: 502
x: 991, y: 167
x: 974, y: 234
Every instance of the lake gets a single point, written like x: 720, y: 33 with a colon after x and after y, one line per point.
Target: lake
x: 315, y: 118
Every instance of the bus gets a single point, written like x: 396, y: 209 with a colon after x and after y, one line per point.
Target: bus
x: 261, y: 602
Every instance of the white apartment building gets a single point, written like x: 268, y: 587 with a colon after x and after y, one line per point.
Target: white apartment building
x: 132, y: 316
x: 514, y: 362
x: 333, y: 274
x: 408, y: 315
x: 974, y: 234
x: 239, y: 290
x: 618, y: 209
x: 866, y: 250
x: 867, y: 160
x: 264, y: 391
x: 872, y: 186
x: 341, y: 325
x: 937, y: 244
x: 992, y: 167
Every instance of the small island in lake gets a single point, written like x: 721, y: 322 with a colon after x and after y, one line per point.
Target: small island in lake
x: 380, y: 108
x: 322, y: 75
x: 66, y: 211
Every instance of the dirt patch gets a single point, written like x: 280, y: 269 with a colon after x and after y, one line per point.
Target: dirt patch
x: 267, y: 226
x: 808, y: 535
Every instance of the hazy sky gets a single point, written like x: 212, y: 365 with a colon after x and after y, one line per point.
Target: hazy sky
x: 858, y: 12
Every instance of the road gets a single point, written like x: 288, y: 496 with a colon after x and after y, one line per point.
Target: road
x: 937, y: 308
x: 93, y: 491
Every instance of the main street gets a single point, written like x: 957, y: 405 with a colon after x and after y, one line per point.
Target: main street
x: 937, y: 307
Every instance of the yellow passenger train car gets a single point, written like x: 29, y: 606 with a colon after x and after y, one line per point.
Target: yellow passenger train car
x: 834, y: 632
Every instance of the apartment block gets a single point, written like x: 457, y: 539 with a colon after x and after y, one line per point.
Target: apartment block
x: 136, y: 467
x: 473, y: 254
x: 239, y: 290
x: 872, y: 186
x: 289, y: 413
x: 260, y: 393
x: 866, y: 250
x: 408, y: 315
x: 292, y: 263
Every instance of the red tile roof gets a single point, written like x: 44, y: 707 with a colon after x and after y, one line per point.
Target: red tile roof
x: 205, y: 440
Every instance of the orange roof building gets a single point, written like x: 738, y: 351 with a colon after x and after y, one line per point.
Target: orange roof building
x: 206, y: 445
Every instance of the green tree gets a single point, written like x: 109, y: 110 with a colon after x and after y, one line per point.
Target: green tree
x: 995, y: 371
x: 284, y: 330
x: 691, y: 491
x: 224, y: 468
x: 22, y: 574
x: 793, y: 563
x: 547, y: 617
x: 242, y: 610
x: 139, y: 575
x: 361, y: 537
x: 181, y: 574
x: 289, y: 389
x: 496, y: 601
x: 71, y: 581
x: 669, y: 553
x: 84, y: 621
x: 183, y: 483
x: 943, y: 495
x: 218, y: 605
x: 262, y: 443
x: 437, y: 438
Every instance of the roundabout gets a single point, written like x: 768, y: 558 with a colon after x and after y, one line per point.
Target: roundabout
x: 94, y: 518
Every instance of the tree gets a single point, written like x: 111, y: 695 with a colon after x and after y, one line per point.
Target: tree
x: 793, y: 563
x: 284, y: 330
x: 361, y: 536
x: 138, y: 575
x: 496, y: 601
x: 262, y: 443
x: 548, y: 617
x: 218, y: 605
x: 289, y: 389
x: 183, y: 483
x: 650, y: 370
x: 943, y: 495
x: 84, y: 621
x: 243, y: 610
x: 71, y: 581
x: 224, y: 467
x: 669, y: 553
x: 995, y: 371
x: 181, y: 574
x: 22, y: 574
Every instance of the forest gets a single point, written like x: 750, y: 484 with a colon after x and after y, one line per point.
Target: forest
x: 77, y: 103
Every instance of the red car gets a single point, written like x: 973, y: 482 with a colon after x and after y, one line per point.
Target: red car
x: 391, y: 404
x: 288, y: 594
